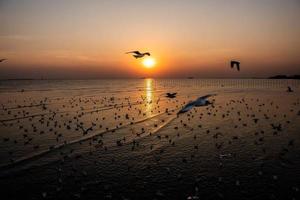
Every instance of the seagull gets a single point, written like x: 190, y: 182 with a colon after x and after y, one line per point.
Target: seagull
x: 289, y: 89
x: 237, y: 63
x: 201, y: 101
x: 138, y: 54
x: 1, y: 60
x: 171, y: 95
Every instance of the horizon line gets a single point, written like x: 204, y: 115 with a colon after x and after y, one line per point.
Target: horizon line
x: 102, y: 78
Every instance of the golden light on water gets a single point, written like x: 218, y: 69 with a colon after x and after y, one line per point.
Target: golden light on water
x: 149, y: 95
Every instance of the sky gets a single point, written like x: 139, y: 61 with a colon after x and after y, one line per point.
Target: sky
x: 89, y: 38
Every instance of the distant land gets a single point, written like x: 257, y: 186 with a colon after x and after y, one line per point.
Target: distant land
x: 285, y: 77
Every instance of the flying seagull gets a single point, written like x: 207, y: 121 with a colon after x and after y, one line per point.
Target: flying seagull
x: 237, y: 63
x: 171, y: 95
x: 138, y: 54
x: 201, y: 101
x: 1, y: 60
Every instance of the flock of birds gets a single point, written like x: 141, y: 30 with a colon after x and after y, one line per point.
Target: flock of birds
x: 57, y: 121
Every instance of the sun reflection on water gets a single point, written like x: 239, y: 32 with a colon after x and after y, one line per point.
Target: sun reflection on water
x: 149, y: 95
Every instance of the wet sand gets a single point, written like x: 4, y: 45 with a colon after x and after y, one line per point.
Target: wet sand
x: 122, y: 139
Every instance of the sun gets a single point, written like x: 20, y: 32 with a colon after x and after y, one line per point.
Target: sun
x: 149, y: 62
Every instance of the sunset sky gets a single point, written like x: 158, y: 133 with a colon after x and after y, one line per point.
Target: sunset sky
x: 89, y: 38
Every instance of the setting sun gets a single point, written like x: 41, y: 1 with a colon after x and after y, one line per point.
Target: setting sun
x: 149, y: 62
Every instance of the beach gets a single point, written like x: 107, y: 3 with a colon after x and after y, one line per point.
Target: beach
x: 123, y: 139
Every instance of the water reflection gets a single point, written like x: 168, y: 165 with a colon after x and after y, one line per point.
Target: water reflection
x: 149, y: 95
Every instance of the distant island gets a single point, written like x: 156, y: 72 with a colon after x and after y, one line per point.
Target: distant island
x: 285, y: 77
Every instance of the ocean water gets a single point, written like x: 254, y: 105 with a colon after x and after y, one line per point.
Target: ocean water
x: 123, y: 139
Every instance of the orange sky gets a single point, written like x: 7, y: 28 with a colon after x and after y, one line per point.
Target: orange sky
x: 88, y: 39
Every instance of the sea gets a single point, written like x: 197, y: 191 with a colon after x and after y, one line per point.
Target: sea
x: 125, y: 139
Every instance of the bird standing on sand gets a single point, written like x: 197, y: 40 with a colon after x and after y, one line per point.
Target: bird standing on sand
x: 201, y: 101
x: 289, y: 89
x: 1, y: 60
x: 138, y: 54
x: 233, y: 63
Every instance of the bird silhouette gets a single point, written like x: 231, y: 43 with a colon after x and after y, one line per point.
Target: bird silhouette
x: 171, y: 95
x: 233, y: 63
x: 289, y: 89
x: 138, y: 54
x: 201, y: 101
x: 1, y: 60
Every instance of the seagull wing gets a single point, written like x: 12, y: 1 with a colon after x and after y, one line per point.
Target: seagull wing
x: 187, y: 107
x: 206, y: 96
x: 1, y: 60
x: 171, y: 94
x: 135, y: 52
x: 147, y: 53
x: 232, y: 64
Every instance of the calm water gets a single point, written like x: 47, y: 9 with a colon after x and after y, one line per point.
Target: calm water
x: 121, y: 138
